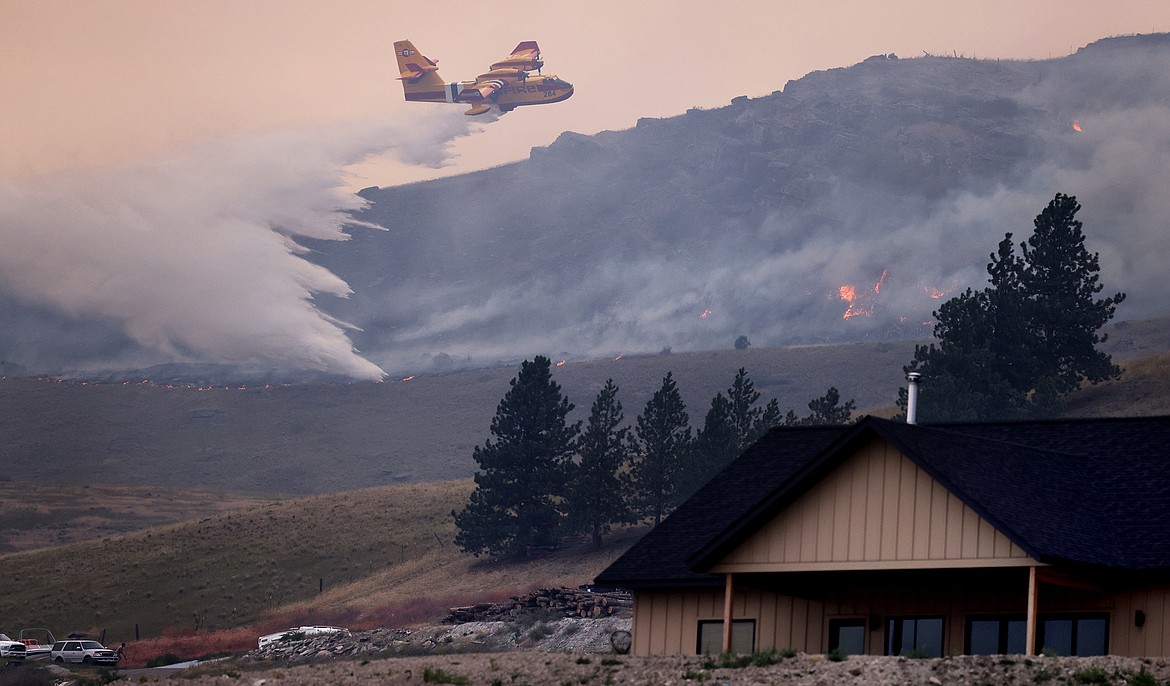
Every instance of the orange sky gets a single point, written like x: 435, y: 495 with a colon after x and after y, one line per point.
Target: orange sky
x: 88, y: 84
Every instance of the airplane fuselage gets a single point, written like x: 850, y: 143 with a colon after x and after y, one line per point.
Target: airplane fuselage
x: 533, y: 90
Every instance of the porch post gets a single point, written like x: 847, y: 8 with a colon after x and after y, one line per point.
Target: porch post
x: 1030, y: 630
x: 727, y: 589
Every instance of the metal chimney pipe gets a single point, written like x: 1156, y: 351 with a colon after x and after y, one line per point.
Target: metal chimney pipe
x: 912, y: 397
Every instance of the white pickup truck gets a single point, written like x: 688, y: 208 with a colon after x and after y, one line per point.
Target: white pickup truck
x: 10, y: 650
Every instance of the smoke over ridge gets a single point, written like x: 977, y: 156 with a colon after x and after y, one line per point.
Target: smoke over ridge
x: 845, y: 208
x: 196, y: 257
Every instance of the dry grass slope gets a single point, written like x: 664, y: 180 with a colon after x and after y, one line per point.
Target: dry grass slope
x: 35, y: 514
x: 230, y: 569
x: 384, y: 554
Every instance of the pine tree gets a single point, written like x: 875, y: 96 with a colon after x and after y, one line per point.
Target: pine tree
x: 598, y: 494
x: 825, y: 410
x: 743, y: 414
x: 732, y: 424
x: 517, y: 502
x: 1060, y: 277
x: 769, y: 418
x: 714, y: 447
x: 1016, y: 348
x: 664, y: 437
x: 828, y: 410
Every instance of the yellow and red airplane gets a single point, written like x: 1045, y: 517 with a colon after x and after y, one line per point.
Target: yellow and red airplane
x: 507, y: 86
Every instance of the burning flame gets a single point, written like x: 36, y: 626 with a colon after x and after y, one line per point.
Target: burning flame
x: 408, y: 378
x: 561, y: 363
x: 1077, y: 126
x: 942, y: 291
x: 860, y: 304
x: 617, y: 358
x: 706, y: 313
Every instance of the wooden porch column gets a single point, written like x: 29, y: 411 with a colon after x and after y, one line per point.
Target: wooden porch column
x: 1030, y: 630
x: 727, y: 589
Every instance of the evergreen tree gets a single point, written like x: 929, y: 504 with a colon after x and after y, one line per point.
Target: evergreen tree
x: 1016, y: 348
x: 826, y: 410
x: 598, y: 494
x: 664, y: 437
x: 743, y: 414
x: 517, y: 501
x: 714, y: 447
x: 1059, y: 277
x: 732, y: 424
x: 769, y: 418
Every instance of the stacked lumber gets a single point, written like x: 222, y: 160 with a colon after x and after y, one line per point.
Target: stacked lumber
x: 558, y: 602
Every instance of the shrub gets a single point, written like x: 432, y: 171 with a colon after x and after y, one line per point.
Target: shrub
x: 434, y: 675
x: 163, y: 660
x: 27, y: 675
x: 1143, y: 678
x: 758, y: 659
x: 1091, y: 675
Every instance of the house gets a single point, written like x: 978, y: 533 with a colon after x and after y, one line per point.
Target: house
x: 891, y: 538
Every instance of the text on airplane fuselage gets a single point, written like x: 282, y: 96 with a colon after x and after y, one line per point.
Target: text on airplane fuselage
x: 527, y: 88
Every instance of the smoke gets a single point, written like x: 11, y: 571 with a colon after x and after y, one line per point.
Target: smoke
x: 612, y: 256
x: 196, y: 257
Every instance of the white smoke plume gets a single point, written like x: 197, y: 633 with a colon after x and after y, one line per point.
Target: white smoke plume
x: 195, y: 258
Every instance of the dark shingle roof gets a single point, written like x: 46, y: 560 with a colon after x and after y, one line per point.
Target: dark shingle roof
x: 1094, y: 492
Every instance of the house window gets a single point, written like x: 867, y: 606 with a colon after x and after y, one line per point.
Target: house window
x: 919, y: 636
x: 996, y: 636
x: 1073, y: 634
x: 743, y: 636
x: 847, y: 636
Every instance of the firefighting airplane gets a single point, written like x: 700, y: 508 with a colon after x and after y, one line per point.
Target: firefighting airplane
x: 507, y: 86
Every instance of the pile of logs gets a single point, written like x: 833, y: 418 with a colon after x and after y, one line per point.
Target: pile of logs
x: 559, y: 602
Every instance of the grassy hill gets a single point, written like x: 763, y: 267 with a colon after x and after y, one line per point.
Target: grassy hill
x: 318, y: 438
x: 378, y: 555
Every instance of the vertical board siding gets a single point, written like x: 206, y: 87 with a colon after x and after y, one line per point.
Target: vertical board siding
x: 666, y: 622
x: 877, y: 506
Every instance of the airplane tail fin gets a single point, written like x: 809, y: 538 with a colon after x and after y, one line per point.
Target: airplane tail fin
x: 416, y: 71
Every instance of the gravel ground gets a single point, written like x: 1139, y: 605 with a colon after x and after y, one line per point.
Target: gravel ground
x: 578, y: 652
x: 561, y: 669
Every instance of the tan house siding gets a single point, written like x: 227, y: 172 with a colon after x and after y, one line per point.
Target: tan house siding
x: 666, y: 622
x: 867, y: 514
x: 1153, y: 637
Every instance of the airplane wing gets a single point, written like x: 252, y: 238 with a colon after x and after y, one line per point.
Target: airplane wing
x: 524, y: 56
x: 488, y: 88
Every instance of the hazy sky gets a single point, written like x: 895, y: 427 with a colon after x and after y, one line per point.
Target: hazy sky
x: 160, y: 160
x: 87, y: 83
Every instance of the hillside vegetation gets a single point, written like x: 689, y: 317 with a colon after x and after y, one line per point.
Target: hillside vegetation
x: 381, y: 555
x: 317, y: 438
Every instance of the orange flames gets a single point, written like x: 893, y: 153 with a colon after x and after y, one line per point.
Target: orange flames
x: 1077, y: 126
x: 860, y: 304
x: 617, y: 358
x: 561, y: 363
x: 706, y: 313
x: 408, y: 378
